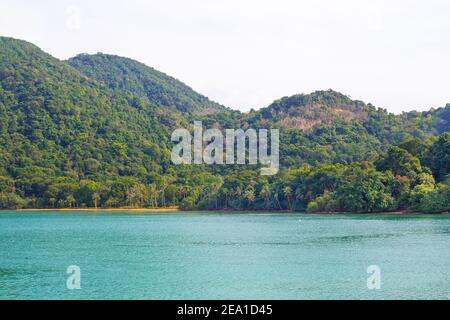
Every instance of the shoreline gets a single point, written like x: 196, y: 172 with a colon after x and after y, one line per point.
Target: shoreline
x: 177, y: 209
x: 174, y: 209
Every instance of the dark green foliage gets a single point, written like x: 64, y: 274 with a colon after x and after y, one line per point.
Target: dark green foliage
x: 400, y: 162
x: 95, y: 132
x: 438, y: 158
x: 124, y: 75
x: 363, y: 190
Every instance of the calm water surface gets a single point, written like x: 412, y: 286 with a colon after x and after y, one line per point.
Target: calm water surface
x: 223, y: 256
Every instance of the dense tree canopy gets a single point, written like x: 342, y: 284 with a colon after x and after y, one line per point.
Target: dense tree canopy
x: 95, y: 132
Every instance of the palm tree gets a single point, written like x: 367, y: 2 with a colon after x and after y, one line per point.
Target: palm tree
x: 153, y: 194
x: 165, y: 183
x: 250, y: 195
x: 265, y: 193
x: 70, y: 200
x: 238, y: 193
x: 95, y: 199
x: 288, y: 195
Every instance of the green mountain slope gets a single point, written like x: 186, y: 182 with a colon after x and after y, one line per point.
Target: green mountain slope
x: 128, y: 76
x: 95, y: 131
x: 55, y: 123
x: 309, y: 111
x: 327, y: 126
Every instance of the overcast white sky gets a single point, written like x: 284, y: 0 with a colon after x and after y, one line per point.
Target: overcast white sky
x: 247, y: 53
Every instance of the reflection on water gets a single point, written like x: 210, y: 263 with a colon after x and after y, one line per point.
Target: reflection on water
x: 223, y: 256
x: 356, y: 238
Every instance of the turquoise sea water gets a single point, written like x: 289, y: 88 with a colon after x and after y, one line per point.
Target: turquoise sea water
x: 223, y: 256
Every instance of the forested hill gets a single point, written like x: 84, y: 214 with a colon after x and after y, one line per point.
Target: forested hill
x: 309, y: 111
x: 59, y: 128
x: 95, y: 131
x: 129, y: 76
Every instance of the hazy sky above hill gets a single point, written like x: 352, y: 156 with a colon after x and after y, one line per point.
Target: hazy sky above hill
x: 247, y: 53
